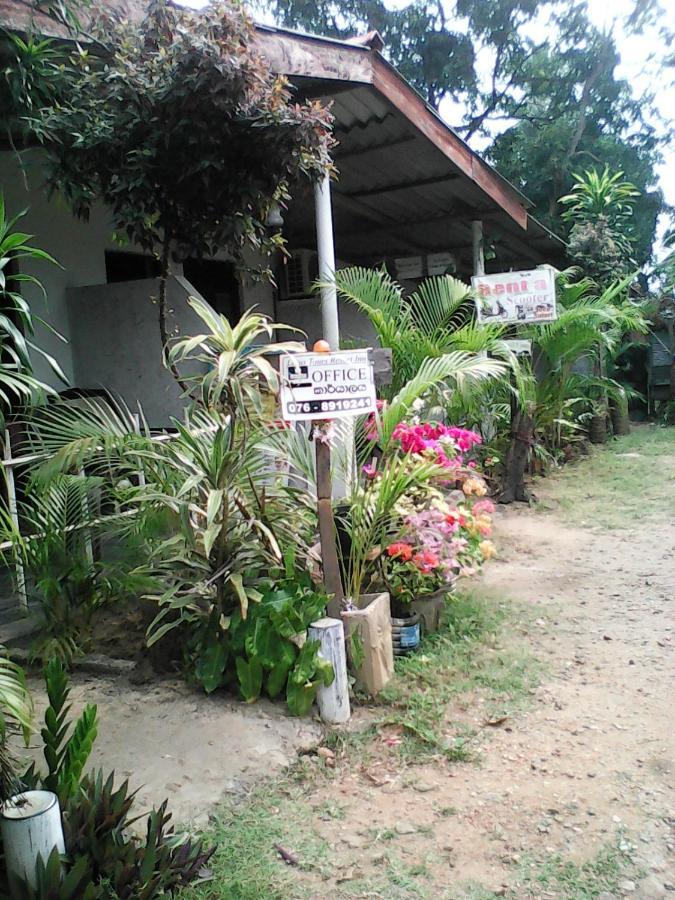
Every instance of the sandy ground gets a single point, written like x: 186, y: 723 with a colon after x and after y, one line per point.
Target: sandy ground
x: 591, y: 760
x: 171, y: 741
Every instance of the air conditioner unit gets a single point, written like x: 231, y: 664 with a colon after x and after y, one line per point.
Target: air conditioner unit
x: 298, y: 273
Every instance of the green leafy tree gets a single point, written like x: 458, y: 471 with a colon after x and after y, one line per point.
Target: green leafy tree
x: 179, y: 127
x: 600, y: 210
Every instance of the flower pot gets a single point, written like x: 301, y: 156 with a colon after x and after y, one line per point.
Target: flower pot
x: 406, y: 633
x: 597, y: 431
x: 368, y: 636
x: 31, y: 826
x: 430, y: 609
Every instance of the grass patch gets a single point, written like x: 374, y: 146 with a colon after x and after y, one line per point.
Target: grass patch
x: 610, y: 490
x: 581, y: 881
x: 462, y: 657
x: 246, y: 865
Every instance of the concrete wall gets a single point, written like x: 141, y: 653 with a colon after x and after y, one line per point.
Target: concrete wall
x: 78, y: 246
x: 306, y: 315
x: 116, y: 345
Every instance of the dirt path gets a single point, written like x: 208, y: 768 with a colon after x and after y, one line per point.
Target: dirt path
x: 584, y: 775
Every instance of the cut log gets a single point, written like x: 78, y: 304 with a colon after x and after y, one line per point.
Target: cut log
x: 333, y: 701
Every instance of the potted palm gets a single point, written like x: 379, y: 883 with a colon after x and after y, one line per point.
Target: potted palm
x: 370, y: 521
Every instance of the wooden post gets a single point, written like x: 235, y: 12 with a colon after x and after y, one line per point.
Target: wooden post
x: 324, y: 497
x: 329, y: 557
x: 333, y: 701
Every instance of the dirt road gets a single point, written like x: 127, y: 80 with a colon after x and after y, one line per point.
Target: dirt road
x: 572, y: 797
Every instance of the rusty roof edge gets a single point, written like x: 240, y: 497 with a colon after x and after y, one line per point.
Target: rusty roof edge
x: 364, y: 48
x: 527, y: 203
x: 547, y: 231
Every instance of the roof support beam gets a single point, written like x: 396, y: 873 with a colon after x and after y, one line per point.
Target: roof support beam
x: 340, y: 156
x: 399, y: 93
x: 403, y: 186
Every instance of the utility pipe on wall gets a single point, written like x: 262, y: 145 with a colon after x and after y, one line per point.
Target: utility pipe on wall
x: 326, y: 250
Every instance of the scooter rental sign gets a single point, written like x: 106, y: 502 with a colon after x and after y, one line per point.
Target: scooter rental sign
x: 525, y: 297
x: 327, y: 385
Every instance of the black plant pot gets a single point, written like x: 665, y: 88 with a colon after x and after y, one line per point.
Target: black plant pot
x: 405, y: 633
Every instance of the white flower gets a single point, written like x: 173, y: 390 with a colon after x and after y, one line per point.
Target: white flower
x: 418, y: 404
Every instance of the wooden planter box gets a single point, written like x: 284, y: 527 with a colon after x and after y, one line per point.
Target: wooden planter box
x: 370, y: 625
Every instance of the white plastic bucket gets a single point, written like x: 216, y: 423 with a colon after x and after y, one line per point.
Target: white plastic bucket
x: 31, y: 826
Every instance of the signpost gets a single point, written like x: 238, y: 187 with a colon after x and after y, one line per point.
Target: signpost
x: 521, y: 298
x: 321, y: 386
x: 517, y: 298
x: 329, y: 385
x: 317, y: 387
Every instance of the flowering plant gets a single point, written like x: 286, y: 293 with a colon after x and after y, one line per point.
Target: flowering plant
x: 436, y: 545
x: 446, y: 445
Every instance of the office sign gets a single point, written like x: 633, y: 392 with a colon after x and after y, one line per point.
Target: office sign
x: 526, y: 297
x: 327, y: 385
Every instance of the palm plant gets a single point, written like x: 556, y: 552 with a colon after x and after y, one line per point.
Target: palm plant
x: 435, y: 321
x: 590, y: 325
x: 54, y: 546
x: 18, y: 386
x: 599, y: 209
x: 16, y: 714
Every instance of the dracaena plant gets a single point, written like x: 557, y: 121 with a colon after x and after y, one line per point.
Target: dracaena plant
x: 226, y: 515
x: 18, y: 385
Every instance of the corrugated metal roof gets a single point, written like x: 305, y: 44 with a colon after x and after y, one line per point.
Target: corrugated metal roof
x: 400, y: 189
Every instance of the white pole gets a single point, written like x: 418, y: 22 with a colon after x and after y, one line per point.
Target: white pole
x: 14, y: 515
x: 333, y: 701
x: 326, y: 250
x: 478, y: 247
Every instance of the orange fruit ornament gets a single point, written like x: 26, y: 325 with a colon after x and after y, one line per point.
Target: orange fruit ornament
x: 321, y: 347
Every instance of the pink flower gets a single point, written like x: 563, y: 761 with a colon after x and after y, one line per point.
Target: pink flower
x: 370, y: 470
x: 483, y: 506
x: 370, y: 427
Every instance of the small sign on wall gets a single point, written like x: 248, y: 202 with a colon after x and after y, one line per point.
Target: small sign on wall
x: 409, y: 267
x: 524, y: 297
x: 327, y: 385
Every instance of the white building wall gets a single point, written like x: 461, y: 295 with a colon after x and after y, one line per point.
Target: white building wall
x: 116, y: 343
x: 78, y: 246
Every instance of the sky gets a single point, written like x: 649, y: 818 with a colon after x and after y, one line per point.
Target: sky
x: 639, y: 64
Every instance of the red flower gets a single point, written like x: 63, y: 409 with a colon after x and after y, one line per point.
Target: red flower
x: 400, y: 550
x: 426, y: 561
x: 455, y: 517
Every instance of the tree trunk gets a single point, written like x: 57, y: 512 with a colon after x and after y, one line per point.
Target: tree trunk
x: 522, y: 436
x: 161, y: 302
